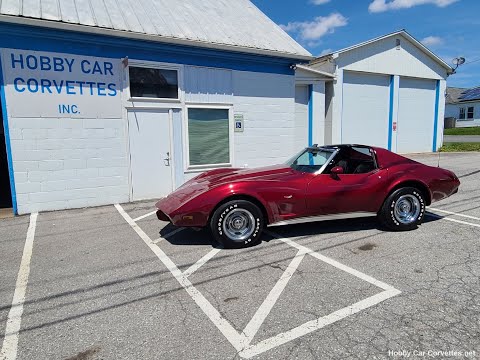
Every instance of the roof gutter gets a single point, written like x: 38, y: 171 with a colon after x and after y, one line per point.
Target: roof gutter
x: 309, y: 69
x: 146, y: 37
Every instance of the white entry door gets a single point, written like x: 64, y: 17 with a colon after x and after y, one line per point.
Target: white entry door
x: 150, y: 153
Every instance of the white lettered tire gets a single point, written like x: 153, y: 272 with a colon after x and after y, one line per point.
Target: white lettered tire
x: 237, y: 224
x: 404, y: 209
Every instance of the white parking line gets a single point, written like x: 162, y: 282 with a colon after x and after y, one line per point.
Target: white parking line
x: 200, y: 262
x: 454, y: 213
x: 261, y: 314
x: 334, y: 263
x: 323, y: 321
x: 145, y: 216
x: 316, y: 324
x: 242, y: 341
x: 453, y: 220
x: 14, y: 320
x: 237, y: 340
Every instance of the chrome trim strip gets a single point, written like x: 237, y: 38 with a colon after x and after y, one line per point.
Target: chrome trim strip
x: 307, y: 219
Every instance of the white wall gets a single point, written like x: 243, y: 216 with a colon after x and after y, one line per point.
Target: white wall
x: 318, y: 113
x: 301, y: 115
x: 82, y: 160
x: 383, y: 57
x: 65, y: 159
x: 68, y: 163
x: 268, y: 104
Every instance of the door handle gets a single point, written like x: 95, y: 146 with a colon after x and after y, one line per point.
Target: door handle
x: 167, y: 159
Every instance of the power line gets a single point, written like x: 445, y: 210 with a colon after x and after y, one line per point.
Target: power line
x: 471, y: 62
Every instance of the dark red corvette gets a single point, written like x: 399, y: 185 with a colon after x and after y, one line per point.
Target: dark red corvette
x: 318, y: 183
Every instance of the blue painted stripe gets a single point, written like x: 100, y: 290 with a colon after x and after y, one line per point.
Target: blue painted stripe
x: 435, y: 120
x: 43, y: 39
x: 7, y: 142
x: 310, y: 115
x: 390, y: 112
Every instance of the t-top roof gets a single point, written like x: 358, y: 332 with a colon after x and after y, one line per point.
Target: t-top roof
x: 225, y: 24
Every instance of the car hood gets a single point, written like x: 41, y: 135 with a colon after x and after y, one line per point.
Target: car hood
x: 211, y: 179
x: 221, y: 176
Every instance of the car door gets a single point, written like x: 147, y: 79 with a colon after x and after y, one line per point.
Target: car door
x: 349, y: 192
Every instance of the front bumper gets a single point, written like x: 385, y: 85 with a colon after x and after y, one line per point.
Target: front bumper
x: 162, y: 216
x: 170, y: 209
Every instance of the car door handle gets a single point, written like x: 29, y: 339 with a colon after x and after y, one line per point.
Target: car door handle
x: 288, y: 196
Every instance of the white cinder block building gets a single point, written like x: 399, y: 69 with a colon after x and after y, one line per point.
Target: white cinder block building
x: 388, y: 92
x: 104, y: 104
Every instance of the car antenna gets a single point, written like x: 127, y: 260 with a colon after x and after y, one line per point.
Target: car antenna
x: 438, y: 162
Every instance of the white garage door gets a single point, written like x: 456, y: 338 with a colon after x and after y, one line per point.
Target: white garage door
x: 416, y: 112
x: 366, y: 104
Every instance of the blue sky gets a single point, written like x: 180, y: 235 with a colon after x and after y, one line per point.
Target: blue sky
x: 450, y: 28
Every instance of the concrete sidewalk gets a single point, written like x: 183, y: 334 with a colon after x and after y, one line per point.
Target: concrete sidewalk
x: 461, y: 138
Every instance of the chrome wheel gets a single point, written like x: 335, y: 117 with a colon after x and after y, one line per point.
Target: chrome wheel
x: 239, y: 224
x: 407, y: 209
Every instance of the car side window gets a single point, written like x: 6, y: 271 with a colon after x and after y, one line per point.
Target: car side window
x: 311, y: 161
x: 354, y: 160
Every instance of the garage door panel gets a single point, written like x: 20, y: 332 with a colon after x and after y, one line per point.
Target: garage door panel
x: 366, y: 102
x: 416, y: 112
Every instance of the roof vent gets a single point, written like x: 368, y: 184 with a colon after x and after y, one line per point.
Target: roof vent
x: 398, y: 44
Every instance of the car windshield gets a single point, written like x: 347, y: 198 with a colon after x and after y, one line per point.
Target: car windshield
x: 310, y: 159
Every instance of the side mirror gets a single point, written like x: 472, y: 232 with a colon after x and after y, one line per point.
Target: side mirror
x: 336, y: 171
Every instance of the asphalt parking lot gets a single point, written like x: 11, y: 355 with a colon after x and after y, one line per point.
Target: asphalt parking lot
x: 115, y: 283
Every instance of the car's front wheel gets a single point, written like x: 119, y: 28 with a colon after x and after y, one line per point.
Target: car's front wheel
x: 237, y: 224
x: 404, y: 209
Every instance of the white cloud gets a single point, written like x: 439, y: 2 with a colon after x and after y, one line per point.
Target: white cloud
x: 432, y: 41
x: 314, y: 30
x: 385, y: 5
x: 319, y: 2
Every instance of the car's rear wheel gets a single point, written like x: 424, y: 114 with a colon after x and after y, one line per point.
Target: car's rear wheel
x: 404, y: 209
x: 237, y: 224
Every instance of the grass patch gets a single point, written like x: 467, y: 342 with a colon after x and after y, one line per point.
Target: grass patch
x: 475, y: 130
x: 455, y: 147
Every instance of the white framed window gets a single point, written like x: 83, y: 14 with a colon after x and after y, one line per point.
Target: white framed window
x: 470, y: 111
x: 209, y: 136
x: 154, y: 82
x: 461, y: 114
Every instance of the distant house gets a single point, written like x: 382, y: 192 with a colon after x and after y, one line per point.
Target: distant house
x: 464, y: 105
